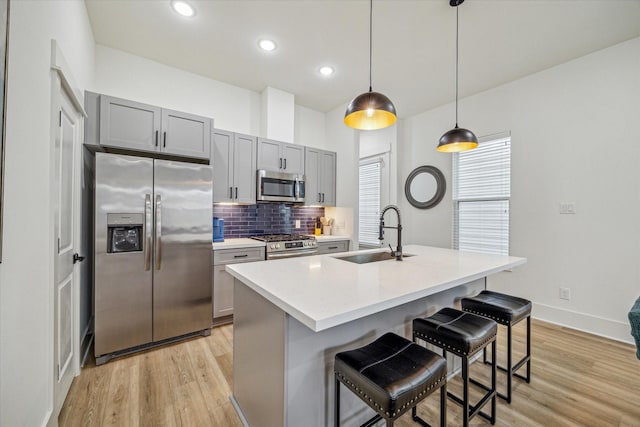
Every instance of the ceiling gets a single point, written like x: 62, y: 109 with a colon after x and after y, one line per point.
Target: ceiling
x: 413, y: 42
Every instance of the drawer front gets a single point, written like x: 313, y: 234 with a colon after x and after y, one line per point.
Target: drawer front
x: 234, y: 256
x: 329, y: 247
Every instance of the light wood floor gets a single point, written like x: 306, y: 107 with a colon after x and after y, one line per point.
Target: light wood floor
x: 577, y: 380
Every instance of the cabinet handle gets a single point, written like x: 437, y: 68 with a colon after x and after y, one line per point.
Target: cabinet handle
x: 236, y: 192
x: 333, y: 247
x: 319, y: 198
x: 156, y: 138
x: 280, y: 167
x: 241, y: 256
x: 231, y: 192
x: 285, y: 164
x: 322, y: 197
x: 164, y: 142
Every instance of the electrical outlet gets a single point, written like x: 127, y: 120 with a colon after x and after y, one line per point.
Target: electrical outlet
x: 297, y: 223
x: 565, y: 293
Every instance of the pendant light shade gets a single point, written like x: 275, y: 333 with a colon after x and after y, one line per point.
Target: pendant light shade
x: 457, y: 139
x: 370, y: 110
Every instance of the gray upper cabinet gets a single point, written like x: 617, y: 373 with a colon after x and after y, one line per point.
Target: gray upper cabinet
x: 185, y: 134
x: 280, y: 156
x: 128, y: 124
x: 320, y: 173
x: 234, y: 167
x: 134, y: 126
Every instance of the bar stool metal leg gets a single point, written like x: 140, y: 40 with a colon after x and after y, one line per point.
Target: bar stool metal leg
x: 452, y: 331
x: 511, y: 369
x: 508, y: 311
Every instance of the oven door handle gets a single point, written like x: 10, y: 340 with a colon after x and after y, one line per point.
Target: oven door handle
x: 291, y: 254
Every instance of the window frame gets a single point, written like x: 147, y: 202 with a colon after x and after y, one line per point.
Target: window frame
x: 383, y: 160
x: 502, y: 193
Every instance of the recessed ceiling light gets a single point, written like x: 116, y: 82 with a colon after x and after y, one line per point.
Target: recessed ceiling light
x: 183, y: 8
x: 266, y: 44
x: 326, y: 70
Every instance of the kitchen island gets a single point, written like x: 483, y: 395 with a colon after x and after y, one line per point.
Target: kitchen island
x: 292, y: 316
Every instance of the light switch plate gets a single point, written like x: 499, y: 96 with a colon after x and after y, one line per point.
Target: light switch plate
x: 567, y: 207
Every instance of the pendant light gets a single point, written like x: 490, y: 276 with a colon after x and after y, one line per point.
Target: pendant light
x: 370, y: 110
x: 457, y: 139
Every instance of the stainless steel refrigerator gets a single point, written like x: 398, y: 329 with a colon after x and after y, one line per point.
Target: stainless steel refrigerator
x: 152, y: 252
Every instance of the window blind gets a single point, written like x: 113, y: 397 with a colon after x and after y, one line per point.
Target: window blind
x: 369, y: 204
x: 481, y: 192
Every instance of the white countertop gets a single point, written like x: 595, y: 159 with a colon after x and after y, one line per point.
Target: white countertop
x: 237, y: 243
x: 322, y: 292
x: 330, y: 238
x: 251, y: 243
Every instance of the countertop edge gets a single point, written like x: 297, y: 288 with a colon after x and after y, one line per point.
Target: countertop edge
x: 331, y: 238
x: 320, y: 324
x: 237, y: 244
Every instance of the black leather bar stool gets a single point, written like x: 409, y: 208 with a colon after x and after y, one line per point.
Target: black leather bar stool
x: 463, y: 334
x: 391, y: 375
x: 507, y: 310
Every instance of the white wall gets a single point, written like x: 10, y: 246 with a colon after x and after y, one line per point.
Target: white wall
x: 344, y: 141
x: 277, y: 118
x: 132, y: 77
x: 574, y: 139
x: 309, y: 128
x: 233, y: 108
x: 26, y: 283
x: 417, y: 140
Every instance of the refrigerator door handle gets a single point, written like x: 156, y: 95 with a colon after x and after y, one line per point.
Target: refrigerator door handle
x: 158, y: 231
x: 147, y: 232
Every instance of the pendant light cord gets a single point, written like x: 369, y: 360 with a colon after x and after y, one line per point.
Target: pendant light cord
x: 370, y: 40
x: 457, y: 23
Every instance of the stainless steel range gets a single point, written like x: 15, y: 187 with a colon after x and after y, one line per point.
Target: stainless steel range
x: 288, y: 245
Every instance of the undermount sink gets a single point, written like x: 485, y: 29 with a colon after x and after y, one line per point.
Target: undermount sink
x: 370, y: 257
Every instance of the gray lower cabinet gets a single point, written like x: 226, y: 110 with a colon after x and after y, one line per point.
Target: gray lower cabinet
x: 278, y: 156
x: 134, y: 126
x: 233, y: 157
x: 222, y: 285
x: 320, y: 174
x: 335, y: 246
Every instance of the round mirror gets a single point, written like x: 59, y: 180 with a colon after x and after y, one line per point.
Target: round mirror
x: 425, y: 187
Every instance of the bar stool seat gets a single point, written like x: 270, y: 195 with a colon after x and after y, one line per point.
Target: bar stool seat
x: 463, y: 334
x: 391, y: 375
x: 507, y: 310
x: 504, y: 309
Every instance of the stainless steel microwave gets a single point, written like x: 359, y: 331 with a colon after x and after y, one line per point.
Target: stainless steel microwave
x: 279, y: 187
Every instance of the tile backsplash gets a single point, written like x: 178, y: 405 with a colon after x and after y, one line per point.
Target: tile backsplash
x: 266, y: 218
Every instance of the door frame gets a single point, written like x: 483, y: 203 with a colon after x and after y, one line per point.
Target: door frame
x: 62, y: 82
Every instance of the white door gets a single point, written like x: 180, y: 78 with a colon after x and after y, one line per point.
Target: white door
x: 67, y: 131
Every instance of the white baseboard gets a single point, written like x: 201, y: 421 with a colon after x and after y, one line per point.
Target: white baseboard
x: 613, y: 329
x: 50, y: 420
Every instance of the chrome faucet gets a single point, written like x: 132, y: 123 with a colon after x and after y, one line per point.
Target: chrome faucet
x: 398, y: 252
